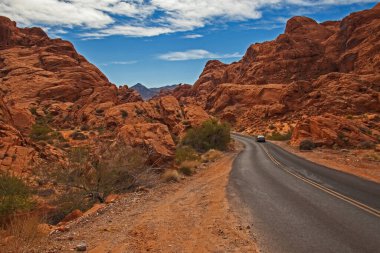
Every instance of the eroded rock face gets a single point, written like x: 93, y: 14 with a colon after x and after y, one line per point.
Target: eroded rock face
x: 46, y: 80
x: 305, y: 51
x: 153, y: 137
x: 310, y: 70
x: 329, y: 130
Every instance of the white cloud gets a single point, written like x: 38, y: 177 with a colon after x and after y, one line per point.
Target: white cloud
x: 195, y: 54
x: 144, y: 18
x: 128, y: 30
x: 118, y: 63
x: 192, y: 36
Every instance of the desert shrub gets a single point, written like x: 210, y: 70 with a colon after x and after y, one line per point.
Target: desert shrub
x: 366, y: 145
x: 33, y: 110
x: 78, y: 136
x: 85, y: 127
x: 307, y: 145
x: 271, y: 127
x: 99, y: 111
x: 341, y: 135
x: 124, y: 114
x: 101, y: 129
x: 139, y: 111
x: 373, y: 157
x: 15, y: 196
x: 186, y: 123
x: 57, y: 135
x: 191, y: 164
x: 40, y: 132
x: 187, y: 171
x: 24, y: 234
x: 87, y: 177
x: 184, y: 153
x: 349, y: 117
x: 211, y: 155
x: 170, y: 176
x: 210, y: 135
x: 276, y: 136
x: 365, y: 130
x: 68, y: 202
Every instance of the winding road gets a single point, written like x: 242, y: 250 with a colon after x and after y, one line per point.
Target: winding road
x: 299, y: 206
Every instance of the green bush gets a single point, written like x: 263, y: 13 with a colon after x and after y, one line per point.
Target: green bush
x: 58, y: 136
x: 276, y: 136
x: 78, y: 136
x: 185, y: 153
x: 210, y: 135
x: 307, y: 145
x: 33, y: 110
x: 139, y: 111
x: 366, y: 145
x: 124, y: 114
x: 85, y: 127
x: 14, y: 196
x: 66, y: 203
x: 40, y: 132
x: 187, y: 171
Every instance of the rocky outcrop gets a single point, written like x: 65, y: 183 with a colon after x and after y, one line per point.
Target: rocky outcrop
x: 310, y: 70
x: 155, y: 138
x: 333, y: 131
x: 305, y: 51
x: 46, y: 83
x: 166, y: 110
x: 47, y: 75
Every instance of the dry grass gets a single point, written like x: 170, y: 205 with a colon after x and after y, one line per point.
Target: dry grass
x: 211, y: 155
x: 190, y: 164
x: 22, y: 235
x: 375, y: 157
x: 171, y: 176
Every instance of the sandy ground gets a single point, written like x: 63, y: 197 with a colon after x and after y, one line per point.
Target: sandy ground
x: 355, y: 162
x: 190, y: 216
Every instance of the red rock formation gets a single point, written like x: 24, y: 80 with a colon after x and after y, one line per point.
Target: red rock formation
x: 330, y: 130
x: 311, y: 69
x: 154, y: 137
x: 46, y: 80
x: 305, y: 51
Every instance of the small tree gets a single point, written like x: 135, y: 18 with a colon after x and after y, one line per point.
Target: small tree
x: 124, y: 114
x: 14, y: 196
x: 88, y: 177
x: 40, y: 131
x: 210, y: 135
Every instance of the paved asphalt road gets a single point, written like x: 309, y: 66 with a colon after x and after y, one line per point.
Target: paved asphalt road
x: 300, y: 206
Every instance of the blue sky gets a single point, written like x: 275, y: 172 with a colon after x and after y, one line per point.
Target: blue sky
x: 163, y: 42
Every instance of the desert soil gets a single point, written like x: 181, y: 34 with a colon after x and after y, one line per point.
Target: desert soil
x: 357, y: 162
x: 193, y: 215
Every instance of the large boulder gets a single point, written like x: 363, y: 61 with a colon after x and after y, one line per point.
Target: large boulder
x: 154, y: 138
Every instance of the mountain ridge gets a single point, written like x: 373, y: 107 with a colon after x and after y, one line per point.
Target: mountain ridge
x: 148, y: 93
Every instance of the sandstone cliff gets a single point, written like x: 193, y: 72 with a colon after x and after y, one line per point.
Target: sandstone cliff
x: 46, y: 86
x: 311, y: 69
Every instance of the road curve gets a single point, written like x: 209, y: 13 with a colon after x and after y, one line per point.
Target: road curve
x: 299, y: 206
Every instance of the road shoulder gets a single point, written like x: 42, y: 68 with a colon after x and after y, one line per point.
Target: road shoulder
x: 353, y: 162
x: 193, y: 215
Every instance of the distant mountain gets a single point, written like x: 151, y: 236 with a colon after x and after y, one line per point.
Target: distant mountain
x: 147, y: 93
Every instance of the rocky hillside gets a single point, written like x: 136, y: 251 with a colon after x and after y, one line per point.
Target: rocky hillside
x: 327, y: 72
x: 52, y: 98
x: 147, y: 93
